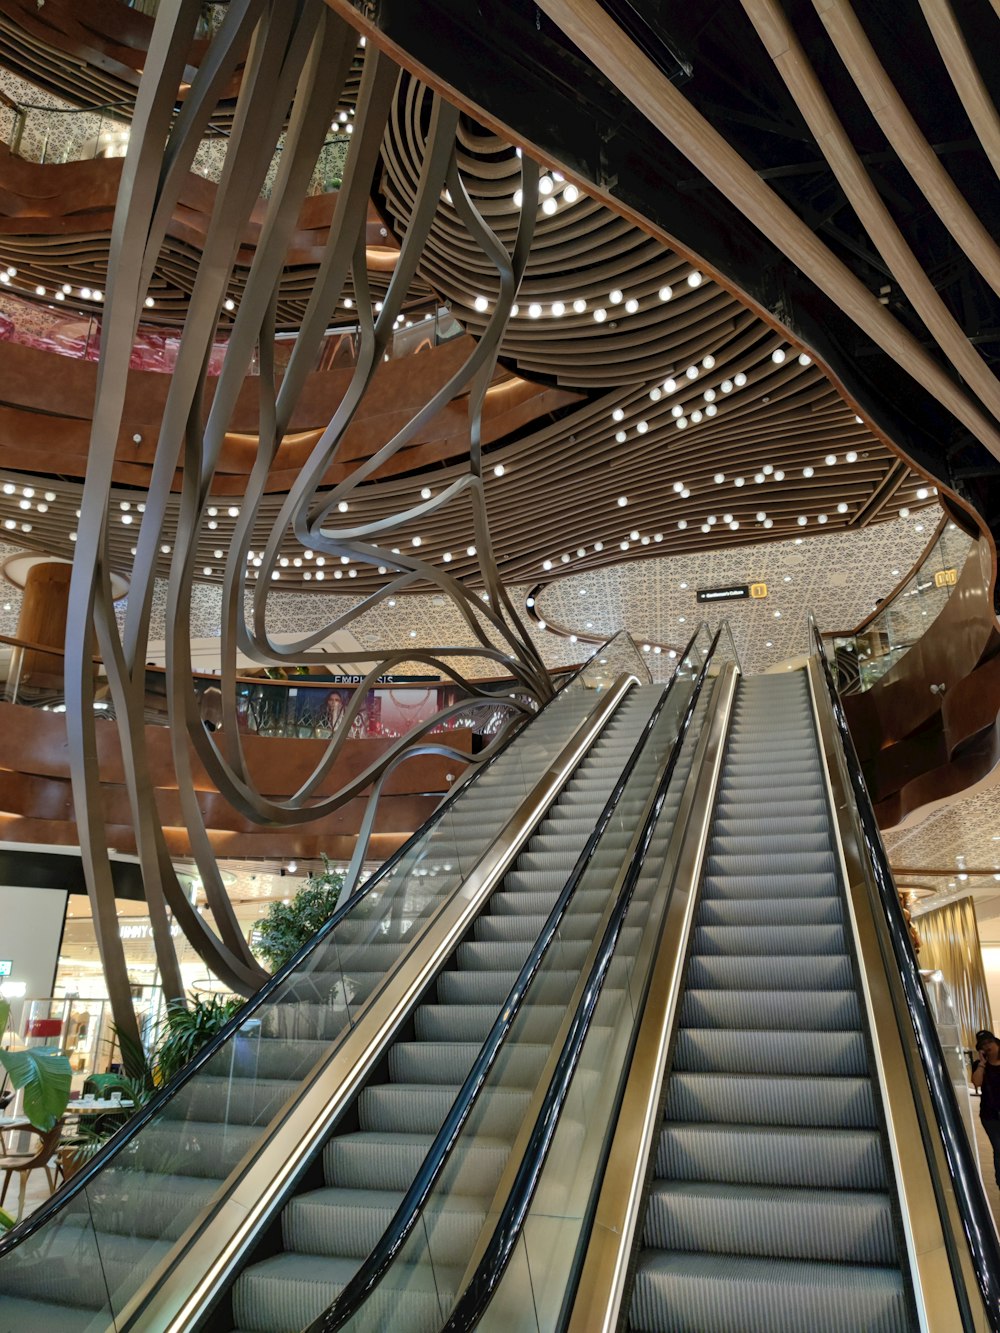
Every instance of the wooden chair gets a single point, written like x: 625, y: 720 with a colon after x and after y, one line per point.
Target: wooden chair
x: 24, y: 1163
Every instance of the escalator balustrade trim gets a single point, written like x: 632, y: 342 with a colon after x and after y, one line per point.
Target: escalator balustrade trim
x: 622, y: 939
x: 941, y: 1267
x: 177, y: 1294
x: 605, y: 1269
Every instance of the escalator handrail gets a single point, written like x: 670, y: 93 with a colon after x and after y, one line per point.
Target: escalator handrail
x: 473, y: 1301
x: 350, y: 1299
x: 80, y: 1179
x: 976, y: 1214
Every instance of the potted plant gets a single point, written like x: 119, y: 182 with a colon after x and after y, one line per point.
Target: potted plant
x: 43, y: 1075
x: 287, y: 926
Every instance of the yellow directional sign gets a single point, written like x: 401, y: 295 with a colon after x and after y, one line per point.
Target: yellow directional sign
x: 946, y: 578
x: 758, y: 590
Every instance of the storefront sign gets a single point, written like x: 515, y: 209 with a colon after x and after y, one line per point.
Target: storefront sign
x: 736, y: 593
x: 946, y: 578
x: 382, y: 680
x: 43, y: 1027
x: 142, y: 929
x: 6, y: 965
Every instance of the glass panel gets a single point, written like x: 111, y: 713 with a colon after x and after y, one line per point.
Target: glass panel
x: 561, y: 1205
x: 950, y: 1032
x: 99, y: 1249
x: 439, y: 1250
x: 863, y: 658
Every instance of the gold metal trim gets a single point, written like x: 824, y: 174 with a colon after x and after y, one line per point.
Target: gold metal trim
x: 189, y: 1277
x: 895, y: 1051
x: 598, y: 1302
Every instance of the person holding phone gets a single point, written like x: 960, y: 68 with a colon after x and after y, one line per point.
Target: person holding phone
x: 986, y: 1077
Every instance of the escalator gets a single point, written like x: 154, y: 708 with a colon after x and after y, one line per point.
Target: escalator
x: 250, y: 1192
x: 778, y: 1147
x: 770, y: 1204
x: 668, y: 1071
x: 325, y: 1232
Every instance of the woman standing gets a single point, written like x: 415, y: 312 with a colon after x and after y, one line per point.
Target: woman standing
x: 986, y: 1076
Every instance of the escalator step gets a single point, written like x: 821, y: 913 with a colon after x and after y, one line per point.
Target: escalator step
x: 527, y: 926
x: 212, y: 1098
x: 390, y: 1161
x: 111, y: 1262
x: 768, y: 1155
x: 766, y: 972
x: 771, y: 826
x: 450, y: 1061
x: 771, y: 886
x: 805, y: 1053
x: 790, y: 1011
x: 27, y: 1314
x: 287, y: 1292
x: 768, y: 939
x: 771, y: 863
x: 769, y: 911
x: 705, y: 1293
x: 841, y: 1103
x: 349, y: 1223
x: 848, y: 1226
x: 389, y: 1108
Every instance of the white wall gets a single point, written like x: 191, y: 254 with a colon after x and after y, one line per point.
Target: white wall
x: 31, y: 924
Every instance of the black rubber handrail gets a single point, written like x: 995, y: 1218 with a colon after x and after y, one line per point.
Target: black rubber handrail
x: 477, y: 1295
x: 371, y: 1272
x: 137, y: 1122
x: 974, y: 1208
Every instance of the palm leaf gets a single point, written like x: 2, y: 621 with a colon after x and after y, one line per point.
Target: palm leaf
x: 45, y: 1077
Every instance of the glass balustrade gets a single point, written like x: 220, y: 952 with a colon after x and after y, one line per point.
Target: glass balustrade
x: 433, y: 1256
x: 103, y: 1237
x: 66, y: 332
x: 299, y: 708
x: 530, y: 1294
x: 865, y: 655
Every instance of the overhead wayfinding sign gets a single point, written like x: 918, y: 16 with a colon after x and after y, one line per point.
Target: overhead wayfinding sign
x: 736, y: 592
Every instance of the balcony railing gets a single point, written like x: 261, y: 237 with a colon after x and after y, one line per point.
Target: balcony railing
x: 866, y: 653
x: 68, y: 333
x: 299, y: 708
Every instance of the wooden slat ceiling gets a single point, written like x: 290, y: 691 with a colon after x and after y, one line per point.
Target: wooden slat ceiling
x: 712, y: 426
x: 836, y: 160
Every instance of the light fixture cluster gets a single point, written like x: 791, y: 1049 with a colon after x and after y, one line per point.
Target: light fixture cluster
x: 599, y: 308
x: 29, y: 502
x: 553, y: 191
x: 58, y: 293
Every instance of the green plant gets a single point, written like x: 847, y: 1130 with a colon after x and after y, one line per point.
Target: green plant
x: 6, y: 1221
x: 43, y: 1075
x: 287, y: 926
x: 187, y: 1028
x: 90, y: 1139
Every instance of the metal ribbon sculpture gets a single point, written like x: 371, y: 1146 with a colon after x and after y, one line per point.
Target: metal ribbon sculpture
x: 298, y: 56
